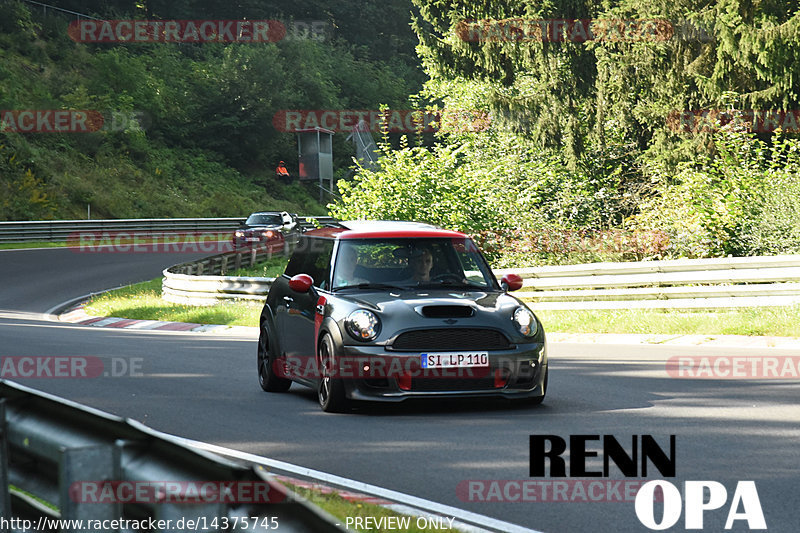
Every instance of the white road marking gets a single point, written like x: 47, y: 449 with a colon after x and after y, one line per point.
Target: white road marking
x: 414, y: 502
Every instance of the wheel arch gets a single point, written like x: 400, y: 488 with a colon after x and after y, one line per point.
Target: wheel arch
x: 330, y: 327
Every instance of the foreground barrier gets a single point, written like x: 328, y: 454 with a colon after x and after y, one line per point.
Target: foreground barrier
x: 61, y: 462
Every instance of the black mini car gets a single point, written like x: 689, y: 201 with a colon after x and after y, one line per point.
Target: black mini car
x: 387, y: 311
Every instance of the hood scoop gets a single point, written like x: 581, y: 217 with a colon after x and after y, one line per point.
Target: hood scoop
x: 446, y: 311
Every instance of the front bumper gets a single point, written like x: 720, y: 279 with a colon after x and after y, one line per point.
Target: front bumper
x: 515, y: 373
x: 273, y: 244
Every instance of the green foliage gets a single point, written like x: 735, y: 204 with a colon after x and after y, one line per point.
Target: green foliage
x: 568, y: 95
x: 433, y: 184
x: 203, y: 143
x: 483, y: 179
x: 745, y: 201
x: 582, y: 138
x: 22, y: 194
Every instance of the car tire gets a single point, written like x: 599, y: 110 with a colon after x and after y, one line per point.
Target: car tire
x: 539, y: 399
x: 267, y: 377
x: 330, y: 391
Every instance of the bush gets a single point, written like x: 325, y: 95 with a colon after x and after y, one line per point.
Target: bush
x: 415, y: 183
x: 742, y: 202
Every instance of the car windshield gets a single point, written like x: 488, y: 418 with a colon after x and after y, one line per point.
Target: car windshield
x: 264, y: 219
x: 410, y: 263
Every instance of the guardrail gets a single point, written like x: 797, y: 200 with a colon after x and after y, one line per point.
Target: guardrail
x: 682, y: 283
x: 203, y: 282
x: 62, y: 460
x: 62, y: 230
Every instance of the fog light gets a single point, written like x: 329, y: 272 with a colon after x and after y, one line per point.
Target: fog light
x: 500, y: 378
x: 404, y: 381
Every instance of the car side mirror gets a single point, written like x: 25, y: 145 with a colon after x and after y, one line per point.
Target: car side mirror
x: 301, y: 283
x: 511, y: 282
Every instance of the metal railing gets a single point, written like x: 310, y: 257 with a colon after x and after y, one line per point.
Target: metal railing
x: 62, y: 460
x: 46, y: 7
x: 683, y: 283
x: 203, y: 282
x: 680, y: 283
x: 65, y: 230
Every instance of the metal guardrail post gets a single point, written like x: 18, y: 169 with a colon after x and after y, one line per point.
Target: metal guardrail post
x: 79, y: 456
x: 88, y: 463
x: 137, y: 464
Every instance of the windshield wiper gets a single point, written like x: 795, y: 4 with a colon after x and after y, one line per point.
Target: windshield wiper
x: 451, y: 284
x: 372, y: 286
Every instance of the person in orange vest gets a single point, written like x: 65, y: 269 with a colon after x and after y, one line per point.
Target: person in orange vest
x: 282, y: 173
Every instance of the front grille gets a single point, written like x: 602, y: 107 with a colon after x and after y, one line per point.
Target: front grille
x: 451, y: 339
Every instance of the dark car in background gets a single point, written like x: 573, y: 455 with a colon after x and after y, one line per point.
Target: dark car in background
x: 387, y: 311
x: 265, y: 228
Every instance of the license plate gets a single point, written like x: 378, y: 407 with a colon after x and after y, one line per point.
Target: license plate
x: 252, y: 239
x: 454, y: 359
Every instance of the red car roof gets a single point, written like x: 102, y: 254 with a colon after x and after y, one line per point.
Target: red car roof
x: 383, y: 229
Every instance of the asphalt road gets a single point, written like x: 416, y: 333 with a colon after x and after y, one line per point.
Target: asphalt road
x: 204, y: 387
x: 34, y: 280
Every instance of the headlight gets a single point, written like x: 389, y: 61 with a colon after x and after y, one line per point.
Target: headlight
x: 239, y: 233
x: 525, y: 321
x: 362, y: 325
x: 268, y: 234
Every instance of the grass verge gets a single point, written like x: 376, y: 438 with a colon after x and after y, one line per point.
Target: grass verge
x: 773, y: 321
x: 13, y: 489
x: 23, y: 245
x: 341, y: 508
x: 272, y: 268
x: 143, y: 301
